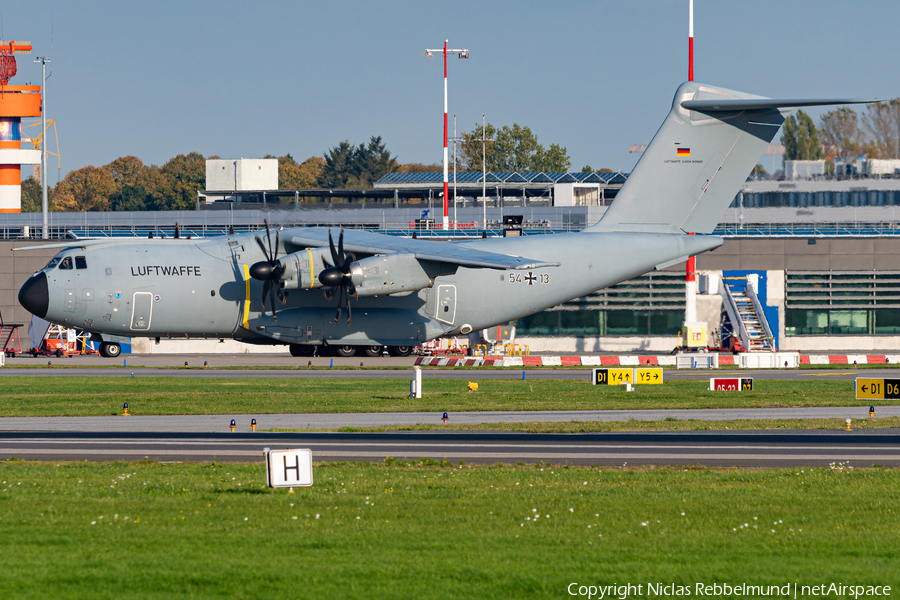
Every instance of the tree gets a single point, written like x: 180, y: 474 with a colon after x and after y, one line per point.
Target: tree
x: 288, y: 173
x: 31, y: 195
x: 183, y: 177
x: 126, y: 170
x: 310, y: 171
x: 513, y: 148
x: 357, y: 167
x: 420, y: 168
x: 130, y: 197
x: 882, y: 124
x: 87, y: 189
x: 759, y: 170
x: 840, y: 133
x: 800, y: 138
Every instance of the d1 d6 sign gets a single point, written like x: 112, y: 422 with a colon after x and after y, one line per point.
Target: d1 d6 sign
x: 731, y: 384
x: 289, y: 468
x: 612, y: 376
x: 877, y: 389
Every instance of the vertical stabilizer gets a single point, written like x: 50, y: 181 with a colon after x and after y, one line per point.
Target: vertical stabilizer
x: 694, y: 166
x: 698, y: 160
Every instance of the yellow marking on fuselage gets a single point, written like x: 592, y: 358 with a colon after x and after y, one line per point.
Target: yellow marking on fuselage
x: 247, y: 297
x: 312, y: 269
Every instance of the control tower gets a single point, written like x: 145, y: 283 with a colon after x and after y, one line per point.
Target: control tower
x: 16, y: 101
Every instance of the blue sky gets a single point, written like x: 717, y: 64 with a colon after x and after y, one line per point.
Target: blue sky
x: 243, y: 79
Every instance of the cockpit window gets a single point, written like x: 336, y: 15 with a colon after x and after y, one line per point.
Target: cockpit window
x: 53, y: 262
x: 66, y: 263
x: 80, y: 263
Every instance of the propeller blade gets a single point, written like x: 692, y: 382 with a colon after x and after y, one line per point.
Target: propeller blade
x: 269, y: 236
x: 265, y: 290
x: 337, y: 317
x: 272, y: 300
x: 348, y: 310
x: 328, y: 293
x: 277, y: 243
x: 334, y: 255
x: 280, y: 295
x: 263, y: 248
x: 341, y: 248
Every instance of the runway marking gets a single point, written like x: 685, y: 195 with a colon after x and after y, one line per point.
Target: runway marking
x: 573, y: 446
x: 494, y: 455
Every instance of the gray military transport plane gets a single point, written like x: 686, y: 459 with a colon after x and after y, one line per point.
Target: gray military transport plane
x: 407, y: 291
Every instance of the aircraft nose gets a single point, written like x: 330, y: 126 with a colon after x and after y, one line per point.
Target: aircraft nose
x: 35, y: 295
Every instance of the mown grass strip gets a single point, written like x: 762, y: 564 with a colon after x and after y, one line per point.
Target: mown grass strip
x: 423, y: 529
x: 22, y: 396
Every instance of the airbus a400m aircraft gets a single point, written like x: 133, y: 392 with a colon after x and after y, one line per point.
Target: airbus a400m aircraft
x: 403, y: 292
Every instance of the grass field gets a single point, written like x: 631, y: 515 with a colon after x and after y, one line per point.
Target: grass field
x: 425, y: 530
x: 95, y: 396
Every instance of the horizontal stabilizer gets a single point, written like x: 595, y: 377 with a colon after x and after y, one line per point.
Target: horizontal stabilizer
x: 763, y: 104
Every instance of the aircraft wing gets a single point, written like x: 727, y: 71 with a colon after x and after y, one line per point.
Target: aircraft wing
x: 367, y: 242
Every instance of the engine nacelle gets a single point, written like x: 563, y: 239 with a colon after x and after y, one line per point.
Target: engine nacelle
x: 301, y: 269
x: 389, y: 274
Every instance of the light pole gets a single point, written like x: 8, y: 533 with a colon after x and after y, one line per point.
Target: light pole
x: 462, y: 54
x: 45, y: 233
x: 456, y: 140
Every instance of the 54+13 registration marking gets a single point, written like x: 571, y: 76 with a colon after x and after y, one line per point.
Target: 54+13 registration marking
x: 530, y: 278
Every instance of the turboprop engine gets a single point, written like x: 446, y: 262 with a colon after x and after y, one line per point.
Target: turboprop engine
x: 396, y: 274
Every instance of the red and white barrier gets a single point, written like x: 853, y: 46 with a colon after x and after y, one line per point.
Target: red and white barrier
x: 726, y: 360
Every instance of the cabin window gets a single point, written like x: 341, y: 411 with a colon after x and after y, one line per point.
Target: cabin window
x: 80, y: 262
x: 53, y: 262
x: 66, y: 263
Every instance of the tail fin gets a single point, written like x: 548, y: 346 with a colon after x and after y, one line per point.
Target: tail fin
x: 698, y: 160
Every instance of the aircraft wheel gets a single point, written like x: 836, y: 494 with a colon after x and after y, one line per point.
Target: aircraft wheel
x: 399, y: 350
x: 373, y: 351
x: 344, y: 351
x: 110, y: 349
x: 299, y: 350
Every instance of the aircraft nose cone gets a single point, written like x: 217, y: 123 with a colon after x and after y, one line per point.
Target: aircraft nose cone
x: 331, y: 277
x: 35, y: 295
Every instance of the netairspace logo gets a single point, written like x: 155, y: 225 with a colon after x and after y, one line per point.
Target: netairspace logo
x: 718, y: 590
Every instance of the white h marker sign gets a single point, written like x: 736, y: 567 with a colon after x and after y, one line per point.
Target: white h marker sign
x: 289, y: 468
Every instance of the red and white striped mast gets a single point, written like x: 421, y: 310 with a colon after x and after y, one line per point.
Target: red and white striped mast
x: 690, y: 313
x: 463, y: 53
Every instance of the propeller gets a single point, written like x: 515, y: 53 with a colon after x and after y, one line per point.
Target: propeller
x: 269, y: 271
x: 338, y: 276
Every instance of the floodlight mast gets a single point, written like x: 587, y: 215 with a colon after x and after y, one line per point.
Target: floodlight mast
x: 463, y: 53
x: 45, y: 233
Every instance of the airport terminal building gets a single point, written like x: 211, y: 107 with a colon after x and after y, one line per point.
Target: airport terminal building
x: 820, y: 256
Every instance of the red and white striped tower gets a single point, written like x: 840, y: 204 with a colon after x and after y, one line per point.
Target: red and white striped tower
x: 690, y: 313
x: 462, y: 54
x: 16, y: 101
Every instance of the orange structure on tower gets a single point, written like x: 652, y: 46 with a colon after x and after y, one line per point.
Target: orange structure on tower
x: 16, y: 101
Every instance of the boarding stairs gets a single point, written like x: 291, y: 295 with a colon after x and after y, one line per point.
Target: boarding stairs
x: 746, y: 315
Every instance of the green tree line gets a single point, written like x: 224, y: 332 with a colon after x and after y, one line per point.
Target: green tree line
x: 127, y: 184
x: 843, y: 133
